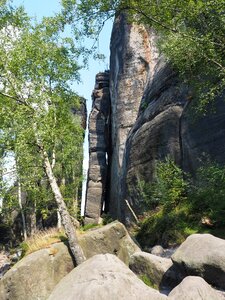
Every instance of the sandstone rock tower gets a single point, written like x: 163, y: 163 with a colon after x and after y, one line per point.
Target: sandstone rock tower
x: 98, y: 149
x: 142, y: 113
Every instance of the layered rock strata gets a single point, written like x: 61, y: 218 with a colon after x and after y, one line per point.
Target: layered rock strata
x: 98, y: 149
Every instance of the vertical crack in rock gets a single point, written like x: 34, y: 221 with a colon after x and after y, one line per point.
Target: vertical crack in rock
x: 98, y: 149
x: 132, y: 63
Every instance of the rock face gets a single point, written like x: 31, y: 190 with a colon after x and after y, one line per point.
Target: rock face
x: 160, y: 271
x: 194, y: 288
x: 151, y: 117
x: 103, y: 277
x: 157, y: 130
x: 132, y: 61
x: 112, y: 238
x: 98, y: 149
x: 35, y: 276
x: 202, y: 255
x: 203, y: 137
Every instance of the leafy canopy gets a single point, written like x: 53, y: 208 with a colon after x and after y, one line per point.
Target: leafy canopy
x: 192, y: 34
x: 38, y: 65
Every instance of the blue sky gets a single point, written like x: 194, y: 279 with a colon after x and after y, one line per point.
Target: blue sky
x: 40, y: 8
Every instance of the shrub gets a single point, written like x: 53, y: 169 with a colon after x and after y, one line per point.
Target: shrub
x: 207, y: 193
x: 168, y: 188
x: 176, y: 207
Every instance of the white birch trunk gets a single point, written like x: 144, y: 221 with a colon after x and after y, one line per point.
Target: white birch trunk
x: 59, y: 220
x: 75, y: 248
x: 33, y: 225
x: 21, y: 209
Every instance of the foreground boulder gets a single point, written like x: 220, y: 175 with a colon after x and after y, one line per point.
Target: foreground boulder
x: 35, y: 276
x: 112, y: 238
x: 194, y: 288
x: 103, y: 277
x: 202, y: 255
x: 159, y: 270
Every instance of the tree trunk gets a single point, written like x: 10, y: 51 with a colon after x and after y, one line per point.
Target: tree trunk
x: 33, y: 222
x: 75, y: 248
x: 59, y: 220
x: 21, y: 210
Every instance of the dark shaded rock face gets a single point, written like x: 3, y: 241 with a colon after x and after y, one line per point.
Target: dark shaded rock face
x: 156, y: 133
x: 203, y: 137
x: 151, y: 118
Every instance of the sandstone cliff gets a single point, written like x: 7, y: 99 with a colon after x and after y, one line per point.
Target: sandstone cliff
x: 151, y: 117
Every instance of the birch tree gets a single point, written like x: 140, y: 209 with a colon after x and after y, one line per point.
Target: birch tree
x: 37, y: 68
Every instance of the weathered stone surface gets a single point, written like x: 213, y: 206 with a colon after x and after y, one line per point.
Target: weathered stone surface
x: 194, y: 288
x: 154, y: 130
x: 35, y: 276
x: 202, y: 255
x: 132, y: 61
x: 159, y: 270
x: 98, y: 149
x: 103, y: 277
x: 160, y: 138
x: 112, y: 238
x: 157, y: 250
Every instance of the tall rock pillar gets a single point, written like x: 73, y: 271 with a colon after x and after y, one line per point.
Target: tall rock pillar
x: 132, y: 63
x: 98, y: 149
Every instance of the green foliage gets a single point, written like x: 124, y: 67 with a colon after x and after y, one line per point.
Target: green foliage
x: 208, y: 191
x: 89, y: 226
x: 147, y: 281
x: 168, y: 189
x: 38, y: 64
x: 191, y: 35
x: 176, y: 207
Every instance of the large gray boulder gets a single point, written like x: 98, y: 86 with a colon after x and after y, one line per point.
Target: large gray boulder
x: 159, y: 270
x: 112, y: 238
x: 103, y: 277
x: 194, y: 288
x: 202, y: 255
x: 35, y: 276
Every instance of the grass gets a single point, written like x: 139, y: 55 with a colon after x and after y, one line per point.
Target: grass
x: 147, y: 281
x: 171, y: 228
x: 45, y: 238
x: 87, y: 227
x: 42, y: 239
